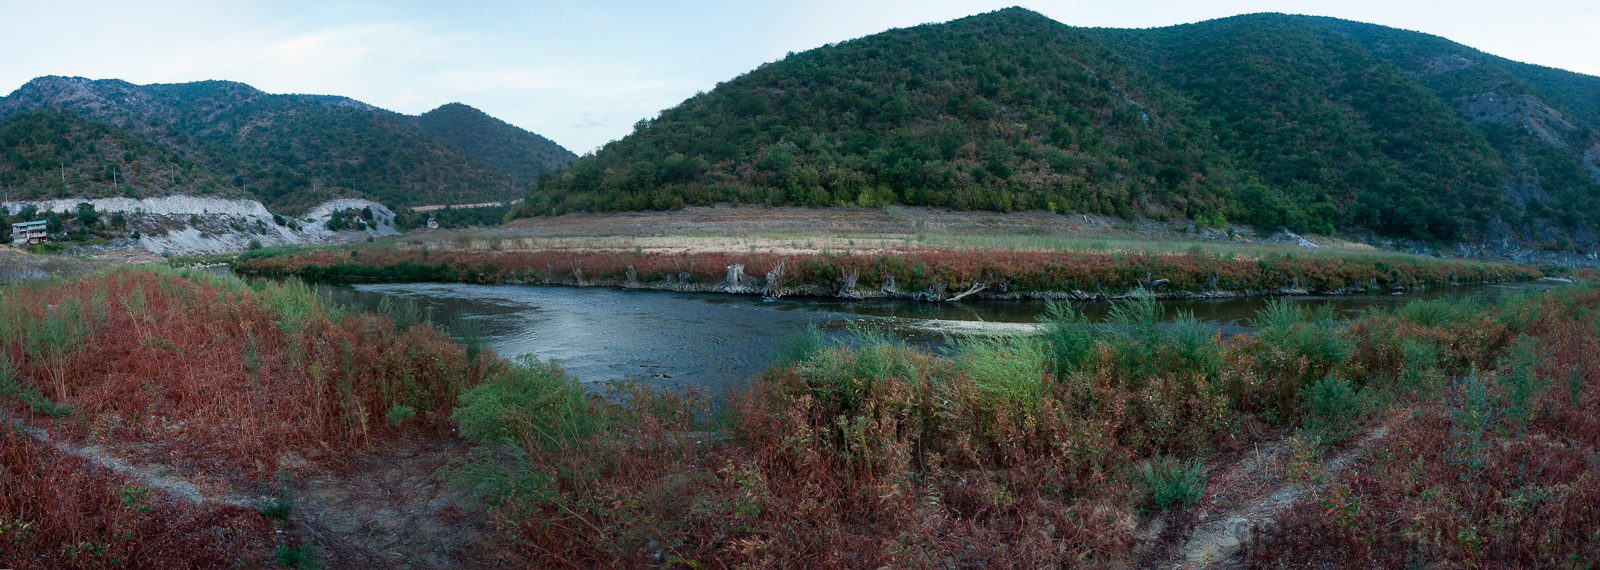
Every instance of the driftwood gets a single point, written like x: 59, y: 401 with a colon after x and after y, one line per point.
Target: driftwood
x: 976, y: 287
x: 774, y: 282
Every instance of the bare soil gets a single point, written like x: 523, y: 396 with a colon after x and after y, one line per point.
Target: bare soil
x: 19, y: 265
x: 1246, y: 490
x: 799, y: 230
x: 381, y: 509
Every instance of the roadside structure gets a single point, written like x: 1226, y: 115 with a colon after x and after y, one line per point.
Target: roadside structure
x: 28, y: 233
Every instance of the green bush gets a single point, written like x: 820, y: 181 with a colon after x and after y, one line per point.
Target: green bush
x: 303, y: 556
x: 469, y: 332
x: 403, y: 311
x: 532, y: 401
x: 1008, y: 371
x: 1333, y: 408
x: 1293, y: 333
x: 1520, y: 379
x: 282, y: 504
x: 1068, y: 339
x: 799, y: 346
x: 1442, y: 311
x: 1172, y: 481
x: 399, y: 413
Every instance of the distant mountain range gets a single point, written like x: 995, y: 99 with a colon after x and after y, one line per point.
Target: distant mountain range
x: 1310, y: 123
x: 70, y: 136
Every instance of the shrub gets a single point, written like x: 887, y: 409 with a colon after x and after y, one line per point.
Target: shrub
x: 534, y: 401
x: 1302, y: 346
x: 798, y: 346
x: 403, y: 311
x: 469, y: 333
x: 1008, y: 372
x: 399, y: 413
x: 1333, y: 408
x: 303, y: 556
x: 1067, y: 338
x: 1520, y: 379
x: 1171, y: 481
x: 280, y: 505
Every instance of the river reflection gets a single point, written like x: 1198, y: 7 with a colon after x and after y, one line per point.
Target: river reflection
x: 673, y: 340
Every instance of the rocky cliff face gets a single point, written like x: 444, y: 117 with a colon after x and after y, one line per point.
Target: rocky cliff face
x: 195, y: 225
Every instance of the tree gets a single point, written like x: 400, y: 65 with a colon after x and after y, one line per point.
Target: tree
x: 86, y: 214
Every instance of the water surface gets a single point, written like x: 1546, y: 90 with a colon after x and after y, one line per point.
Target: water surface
x: 672, y: 340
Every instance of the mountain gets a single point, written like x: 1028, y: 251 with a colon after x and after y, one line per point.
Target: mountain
x: 1310, y: 123
x: 60, y: 154
x: 289, y: 151
x: 510, y: 148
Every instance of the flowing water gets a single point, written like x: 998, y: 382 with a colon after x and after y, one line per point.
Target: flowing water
x: 673, y: 340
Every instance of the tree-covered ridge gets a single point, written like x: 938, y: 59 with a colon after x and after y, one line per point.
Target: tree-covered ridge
x: 1308, y: 123
x: 1335, y: 135
x: 510, y: 148
x: 50, y: 154
x: 1540, y: 122
x: 290, y: 151
x: 1005, y: 111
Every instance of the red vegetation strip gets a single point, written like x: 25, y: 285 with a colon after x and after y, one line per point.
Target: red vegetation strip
x: 911, y: 270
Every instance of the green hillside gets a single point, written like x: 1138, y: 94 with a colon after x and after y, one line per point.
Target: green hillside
x: 290, y: 151
x: 56, y: 154
x: 1272, y: 120
x: 521, y: 153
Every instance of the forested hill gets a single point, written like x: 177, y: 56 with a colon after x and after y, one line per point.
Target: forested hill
x: 289, y: 151
x: 65, y: 154
x: 521, y: 153
x: 1279, y: 121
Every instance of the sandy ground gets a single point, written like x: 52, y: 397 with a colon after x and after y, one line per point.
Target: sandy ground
x: 19, y: 265
x: 798, y: 230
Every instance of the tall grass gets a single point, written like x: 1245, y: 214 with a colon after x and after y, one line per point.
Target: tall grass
x: 196, y: 363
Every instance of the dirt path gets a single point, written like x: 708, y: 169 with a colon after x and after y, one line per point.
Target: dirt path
x: 384, y: 510
x: 1248, y: 494
x: 155, y: 476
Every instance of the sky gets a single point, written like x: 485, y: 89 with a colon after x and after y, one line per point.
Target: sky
x: 583, y: 72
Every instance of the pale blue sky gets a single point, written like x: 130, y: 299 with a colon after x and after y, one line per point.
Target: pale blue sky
x: 582, y: 73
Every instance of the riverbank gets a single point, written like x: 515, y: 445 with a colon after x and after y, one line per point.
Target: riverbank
x: 922, y: 273
x: 1308, y: 441
x: 1144, y: 441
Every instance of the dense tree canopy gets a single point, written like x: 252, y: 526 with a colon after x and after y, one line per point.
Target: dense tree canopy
x: 294, y: 151
x: 1272, y: 120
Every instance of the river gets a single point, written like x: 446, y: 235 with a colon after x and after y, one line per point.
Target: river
x: 673, y: 340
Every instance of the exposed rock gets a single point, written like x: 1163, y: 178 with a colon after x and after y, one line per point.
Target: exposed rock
x: 1526, y: 110
x: 1444, y: 63
x: 1591, y: 161
x: 199, y: 225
